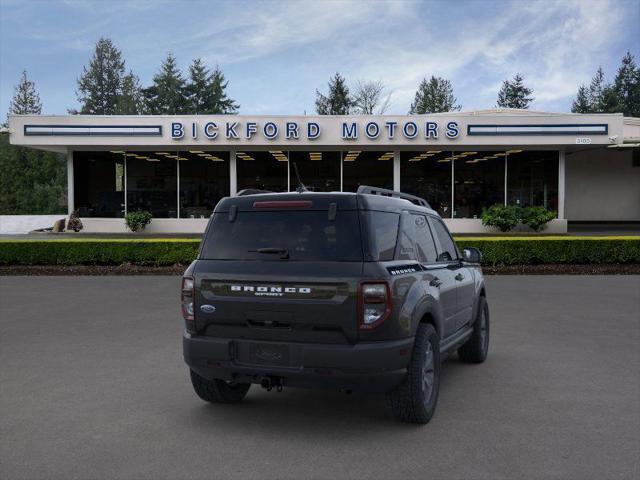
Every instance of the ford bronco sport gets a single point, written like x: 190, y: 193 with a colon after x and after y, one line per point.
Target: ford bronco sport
x: 357, y: 291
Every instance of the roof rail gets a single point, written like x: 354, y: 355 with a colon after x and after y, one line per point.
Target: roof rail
x: 251, y: 191
x: 366, y: 189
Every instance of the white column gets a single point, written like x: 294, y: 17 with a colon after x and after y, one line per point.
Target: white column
x: 453, y: 183
x: 125, y: 186
x: 506, y: 168
x: 561, y: 176
x: 233, y: 177
x: 70, y: 186
x: 341, y: 171
x: 396, y: 170
x: 177, y: 188
x: 289, y: 174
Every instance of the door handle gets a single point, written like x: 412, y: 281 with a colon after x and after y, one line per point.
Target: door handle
x: 459, y: 277
x: 435, y: 282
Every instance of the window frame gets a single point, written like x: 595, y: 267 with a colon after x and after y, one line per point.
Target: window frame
x: 432, y: 219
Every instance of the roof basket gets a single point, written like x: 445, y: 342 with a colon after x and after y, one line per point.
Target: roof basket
x: 251, y: 191
x: 368, y: 190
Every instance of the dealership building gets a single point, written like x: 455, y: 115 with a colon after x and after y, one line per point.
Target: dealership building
x: 586, y: 168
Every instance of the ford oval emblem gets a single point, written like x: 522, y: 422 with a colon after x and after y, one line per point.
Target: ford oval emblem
x: 207, y: 308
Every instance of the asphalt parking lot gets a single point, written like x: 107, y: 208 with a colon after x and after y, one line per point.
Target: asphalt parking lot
x: 92, y: 385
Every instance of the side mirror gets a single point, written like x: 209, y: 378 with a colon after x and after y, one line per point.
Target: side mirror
x: 472, y: 255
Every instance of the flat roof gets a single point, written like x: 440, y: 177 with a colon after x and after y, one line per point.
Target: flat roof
x: 479, y: 128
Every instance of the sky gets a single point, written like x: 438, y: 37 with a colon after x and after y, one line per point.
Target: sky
x: 275, y: 54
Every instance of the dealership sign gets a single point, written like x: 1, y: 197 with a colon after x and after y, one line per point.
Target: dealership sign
x: 292, y: 130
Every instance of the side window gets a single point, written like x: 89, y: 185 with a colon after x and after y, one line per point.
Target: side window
x: 383, y: 227
x: 426, y: 248
x: 406, y: 249
x: 447, y: 246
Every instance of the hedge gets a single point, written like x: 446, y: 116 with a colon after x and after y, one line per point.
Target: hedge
x: 495, y: 250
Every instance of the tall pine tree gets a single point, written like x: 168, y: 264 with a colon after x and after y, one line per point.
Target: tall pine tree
x: 25, y: 99
x: 167, y: 95
x: 433, y: 96
x: 627, y: 86
x: 206, y: 92
x: 582, y: 103
x: 514, y: 94
x: 130, y: 101
x: 31, y: 181
x: 100, y: 85
x: 338, y: 100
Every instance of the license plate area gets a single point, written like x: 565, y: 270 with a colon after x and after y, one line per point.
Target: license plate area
x: 264, y: 354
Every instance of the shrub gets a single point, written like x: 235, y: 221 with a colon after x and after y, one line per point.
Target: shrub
x: 75, y: 251
x: 537, y: 217
x: 137, y: 220
x: 495, y: 250
x: 504, y: 218
x: 74, y: 223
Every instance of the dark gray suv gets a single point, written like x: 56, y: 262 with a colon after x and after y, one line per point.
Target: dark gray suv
x: 352, y: 291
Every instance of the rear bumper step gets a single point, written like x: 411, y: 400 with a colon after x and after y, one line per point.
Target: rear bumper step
x: 371, y: 366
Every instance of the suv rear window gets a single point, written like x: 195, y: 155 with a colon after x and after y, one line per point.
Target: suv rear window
x: 305, y: 235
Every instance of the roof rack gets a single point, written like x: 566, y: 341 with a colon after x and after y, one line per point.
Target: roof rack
x: 251, y: 191
x: 366, y: 189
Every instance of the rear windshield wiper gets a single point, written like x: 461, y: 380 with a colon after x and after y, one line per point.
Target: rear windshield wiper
x: 283, y: 252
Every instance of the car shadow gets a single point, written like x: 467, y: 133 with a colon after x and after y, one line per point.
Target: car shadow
x: 293, y: 411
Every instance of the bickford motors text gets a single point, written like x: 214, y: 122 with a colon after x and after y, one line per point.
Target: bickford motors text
x: 349, y: 130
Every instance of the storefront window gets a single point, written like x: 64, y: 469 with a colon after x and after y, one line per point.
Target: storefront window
x: 99, y: 184
x: 478, y: 182
x: 532, y: 178
x: 152, y: 183
x: 427, y: 174
x: 204, y: 180
x: 367, y: 168
x: 262, y: 170
x: 319, y: 171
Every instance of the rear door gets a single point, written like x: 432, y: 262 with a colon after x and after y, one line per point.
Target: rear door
x: 280, y: 274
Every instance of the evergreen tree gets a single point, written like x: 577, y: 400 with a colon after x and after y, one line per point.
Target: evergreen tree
x: 581, y: 104
x: 338, y: 101
x: 206, y: 91
x: 25, y: 99
x: 167, y: 95
x: 100, y: 85
x: 514, y: 94
x: 433, y: 96
x: 130, y: 101
x: 31, y: 181
x: 627, y: 86
x: 596, y: 91
x: 218, y: 100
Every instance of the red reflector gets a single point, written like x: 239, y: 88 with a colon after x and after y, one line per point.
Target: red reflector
x: 284, y: 204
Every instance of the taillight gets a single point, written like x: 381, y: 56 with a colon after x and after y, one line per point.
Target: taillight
x: 186, y: 298
x: 374, y: 302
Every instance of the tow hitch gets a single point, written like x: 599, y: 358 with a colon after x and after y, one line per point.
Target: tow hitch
x: 268, y: 383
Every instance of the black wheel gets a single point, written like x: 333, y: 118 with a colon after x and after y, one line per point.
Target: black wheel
x: 415, y: 400
x: 476, y: 348
x: 218, y: 391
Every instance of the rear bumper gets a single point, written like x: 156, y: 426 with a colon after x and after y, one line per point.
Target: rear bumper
x: 371, y: 366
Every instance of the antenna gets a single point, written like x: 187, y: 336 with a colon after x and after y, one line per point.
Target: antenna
x: 301, y: 188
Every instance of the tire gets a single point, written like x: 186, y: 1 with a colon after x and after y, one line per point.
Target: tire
x: 415, y: 400
x: 218, y: 391
x: 475, y: 350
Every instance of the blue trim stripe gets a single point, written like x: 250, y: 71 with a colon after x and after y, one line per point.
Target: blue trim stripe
x: 93, y: 130
x: 533, y: 129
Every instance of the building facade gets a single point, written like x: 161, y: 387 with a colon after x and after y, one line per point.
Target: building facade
x: 583, y: 167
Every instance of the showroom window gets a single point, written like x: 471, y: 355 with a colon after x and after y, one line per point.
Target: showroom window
x: 152, y: 184
x: 367, y: 168
x: 478, y: 182
x: 427, y: 174
x: 319, y: 171
x: 99, y: 184
x: 204, y: 181
x: 268, y: 170
x: 532, y: 178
